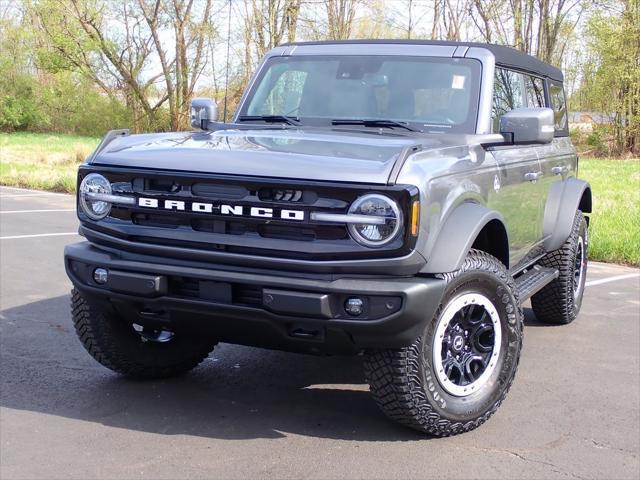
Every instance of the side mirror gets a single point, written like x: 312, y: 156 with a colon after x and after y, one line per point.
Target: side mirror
x: 203, y: 111
x: 528, y: 125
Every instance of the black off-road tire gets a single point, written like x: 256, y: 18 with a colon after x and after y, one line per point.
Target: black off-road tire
x: 113, y: 342
x: 403, y: 381
x: 559, y: 302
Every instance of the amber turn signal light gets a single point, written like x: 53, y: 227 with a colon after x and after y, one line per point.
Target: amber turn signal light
x: 415, y: 218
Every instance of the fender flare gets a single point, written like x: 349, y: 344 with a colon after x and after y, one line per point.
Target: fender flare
x: 564, y: 199
x: 457, y: 236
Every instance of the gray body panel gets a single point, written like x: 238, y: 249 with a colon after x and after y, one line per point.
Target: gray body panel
x: 494, y: 179
x: 338, y: 155
x: 279, y: 153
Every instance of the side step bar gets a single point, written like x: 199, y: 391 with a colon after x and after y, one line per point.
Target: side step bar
x: 533, y: 280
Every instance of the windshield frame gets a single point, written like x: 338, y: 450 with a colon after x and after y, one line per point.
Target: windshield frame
x: 469, y: 126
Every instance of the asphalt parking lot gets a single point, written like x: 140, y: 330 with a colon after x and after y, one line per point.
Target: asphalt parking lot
x: 573, y: 412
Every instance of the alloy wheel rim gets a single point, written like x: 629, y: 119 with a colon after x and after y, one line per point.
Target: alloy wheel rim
x: 467, y: 344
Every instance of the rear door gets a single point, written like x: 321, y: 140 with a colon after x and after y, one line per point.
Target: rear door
x: 558, y: 159
x: 517, y: 193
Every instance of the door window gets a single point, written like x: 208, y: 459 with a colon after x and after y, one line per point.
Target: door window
x: 508, y: 93
x: 534, y: 88
x: 558, y: 103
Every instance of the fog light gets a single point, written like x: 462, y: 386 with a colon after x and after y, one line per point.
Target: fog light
x: 354, y: 306
x: 101, y: 275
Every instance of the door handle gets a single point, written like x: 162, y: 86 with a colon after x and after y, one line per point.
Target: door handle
x: 532, y: 176
x: 560, y: 170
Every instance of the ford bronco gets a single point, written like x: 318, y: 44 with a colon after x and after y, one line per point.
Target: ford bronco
x: 395, y: 199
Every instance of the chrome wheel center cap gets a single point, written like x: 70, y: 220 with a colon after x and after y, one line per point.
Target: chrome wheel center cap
x: 458, y: 343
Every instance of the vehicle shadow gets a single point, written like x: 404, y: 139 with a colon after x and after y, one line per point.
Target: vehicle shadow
x: 237, y: 393
x: 530, y: 319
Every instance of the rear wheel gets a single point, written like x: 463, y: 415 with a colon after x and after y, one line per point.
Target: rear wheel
x: 455, y: 376
x: 131, y: 349
x: 559, y: 302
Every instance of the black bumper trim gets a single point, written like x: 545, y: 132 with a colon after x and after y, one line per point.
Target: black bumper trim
x: 419, y: 296
x: 409, y: 264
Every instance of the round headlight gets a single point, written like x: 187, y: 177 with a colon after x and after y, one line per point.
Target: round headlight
x: 376, y: 235
x: 94, y: 183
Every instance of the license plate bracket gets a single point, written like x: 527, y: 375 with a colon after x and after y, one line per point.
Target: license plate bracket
x: 215, y: 291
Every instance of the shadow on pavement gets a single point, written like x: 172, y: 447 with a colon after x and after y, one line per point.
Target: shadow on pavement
x: 237, y: 393
x: 530, y: 320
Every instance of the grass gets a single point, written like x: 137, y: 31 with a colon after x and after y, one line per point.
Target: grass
x: 615, y: 222
x: 49, y: 162
x: 43, y: 161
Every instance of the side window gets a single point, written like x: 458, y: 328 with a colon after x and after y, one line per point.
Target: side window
x: 534, y: 88
x: 559, y: 105
x: 284, y: 97
x: 507, y: 94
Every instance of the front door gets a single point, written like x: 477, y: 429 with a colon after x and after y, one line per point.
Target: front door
x: 518, y: 193
x: 518, y: 196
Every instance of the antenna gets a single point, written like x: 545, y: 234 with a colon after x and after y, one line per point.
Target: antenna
x: 226, y: 81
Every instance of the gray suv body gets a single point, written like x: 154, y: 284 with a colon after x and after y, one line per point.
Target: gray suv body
x: 400, y: 199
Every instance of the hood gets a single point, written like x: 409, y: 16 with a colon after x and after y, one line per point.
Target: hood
x: 328, y: 155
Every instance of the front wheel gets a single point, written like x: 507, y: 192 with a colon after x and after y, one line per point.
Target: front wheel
x: 130, y: 349
x: 455, y: 376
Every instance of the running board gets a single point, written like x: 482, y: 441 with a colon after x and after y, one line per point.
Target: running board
x: 533, y: 280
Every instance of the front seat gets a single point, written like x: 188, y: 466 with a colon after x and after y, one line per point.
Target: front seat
x: 352, y: 99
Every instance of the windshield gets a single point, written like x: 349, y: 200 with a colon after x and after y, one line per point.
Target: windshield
x: 430, y: 94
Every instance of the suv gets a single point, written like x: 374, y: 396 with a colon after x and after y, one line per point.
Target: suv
x: 396, y: 199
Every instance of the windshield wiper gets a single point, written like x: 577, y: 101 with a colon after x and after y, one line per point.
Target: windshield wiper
x: 373, y: 123
x: 270, y: 119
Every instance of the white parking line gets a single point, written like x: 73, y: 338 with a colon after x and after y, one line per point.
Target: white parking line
x: 39, y: 211
x: 24, y: 195
x: 4, y: 189
x: 611, y: 279
x: 37, y: 235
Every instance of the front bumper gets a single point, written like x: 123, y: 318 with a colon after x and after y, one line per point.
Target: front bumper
x: 268, y: 309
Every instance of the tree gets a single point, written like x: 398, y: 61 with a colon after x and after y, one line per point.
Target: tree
x: 340, y: 15
x: 612, y: 75
x: 190, y: 35
x: 118, y: 43
x: 453, y: 15
x: 273, y: 21
x: 537, y: 27
x: 553, y: 15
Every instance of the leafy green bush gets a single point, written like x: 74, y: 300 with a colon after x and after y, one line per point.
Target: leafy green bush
x: 58, y: 103
x: 594, y: 140
x: 74, y: 106
x: 19, y: 107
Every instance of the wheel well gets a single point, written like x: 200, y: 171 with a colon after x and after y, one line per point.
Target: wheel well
x: 585, y: 201
x: 492, y: 239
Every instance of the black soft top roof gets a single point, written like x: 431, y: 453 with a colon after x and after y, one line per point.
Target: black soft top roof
x: 505, y: 56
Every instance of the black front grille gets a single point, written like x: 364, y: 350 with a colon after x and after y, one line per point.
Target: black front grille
x: 184, y: 287
x: 282, y: 198
x: 244, y: 233
x: 153, y: 220
x: 250, y: 295
x: 305, y: 233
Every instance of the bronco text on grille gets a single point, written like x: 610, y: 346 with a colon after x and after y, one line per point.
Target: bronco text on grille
x: 223, y: 209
